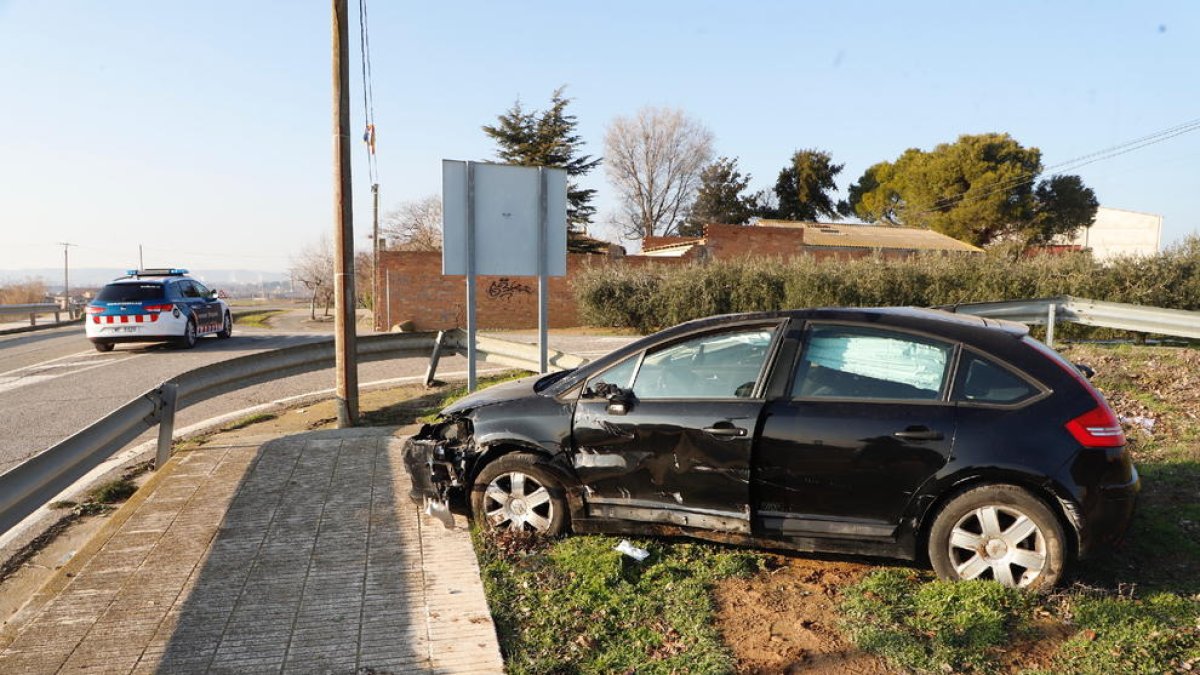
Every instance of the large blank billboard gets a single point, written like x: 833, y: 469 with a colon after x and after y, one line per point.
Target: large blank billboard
x: 507, y: 202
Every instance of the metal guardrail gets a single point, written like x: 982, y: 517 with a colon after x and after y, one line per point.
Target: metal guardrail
x: 32, y: 310
x: 1117, y: 315
x: 27, y: 486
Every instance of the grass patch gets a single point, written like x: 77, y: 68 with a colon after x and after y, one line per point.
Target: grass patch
x: 1157, y: 634
x: 452, y: 394
x: 112, y: 492
x: 934, y: 626
x: 248, y: 420
x: 257, y: 319
x: 575, y: 605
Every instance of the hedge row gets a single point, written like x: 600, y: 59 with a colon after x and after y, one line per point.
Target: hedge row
x: 650, y: 298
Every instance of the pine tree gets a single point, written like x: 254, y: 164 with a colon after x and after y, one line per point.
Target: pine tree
x: 548, y: 138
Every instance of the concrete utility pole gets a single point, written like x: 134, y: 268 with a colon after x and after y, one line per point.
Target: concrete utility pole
x: 66, y: 278
x: 345, y: 342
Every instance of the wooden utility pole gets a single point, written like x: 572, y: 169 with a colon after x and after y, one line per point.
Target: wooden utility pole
x: 345, y: 342
x: 375, y: 299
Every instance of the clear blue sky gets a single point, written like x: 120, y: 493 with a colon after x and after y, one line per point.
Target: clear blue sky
x: 201, y: 130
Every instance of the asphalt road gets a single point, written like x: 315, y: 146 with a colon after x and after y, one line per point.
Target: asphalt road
x: 52, y: 383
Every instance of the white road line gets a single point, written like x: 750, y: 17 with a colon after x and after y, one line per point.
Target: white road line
x: 43, y: 363
x: 10, y: 383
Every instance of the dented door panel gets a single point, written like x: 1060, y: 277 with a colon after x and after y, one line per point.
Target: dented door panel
x: 658, y: 463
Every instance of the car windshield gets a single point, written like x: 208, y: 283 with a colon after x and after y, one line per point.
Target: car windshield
x: 130, y: 292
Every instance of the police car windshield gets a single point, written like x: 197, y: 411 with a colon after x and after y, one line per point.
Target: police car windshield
x: 130, y: 292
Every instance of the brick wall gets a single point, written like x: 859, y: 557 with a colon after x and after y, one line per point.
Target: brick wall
x: 421, y: 294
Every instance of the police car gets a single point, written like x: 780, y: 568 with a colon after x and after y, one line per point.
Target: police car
x: 156, y: 305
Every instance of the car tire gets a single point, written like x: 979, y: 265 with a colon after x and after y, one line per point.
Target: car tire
x: 189, y: 335
x: 1000, y: 532
x: 226, y: 328
x: 103, y: 347
x: 520, y: 493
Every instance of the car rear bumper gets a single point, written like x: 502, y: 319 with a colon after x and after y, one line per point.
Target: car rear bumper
x: 1107, y: 519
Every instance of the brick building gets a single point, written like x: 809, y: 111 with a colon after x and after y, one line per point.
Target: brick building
x: 413, y: 288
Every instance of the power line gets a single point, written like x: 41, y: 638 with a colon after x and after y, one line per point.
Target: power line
x: 1069, y: 165
x: 364, y: 40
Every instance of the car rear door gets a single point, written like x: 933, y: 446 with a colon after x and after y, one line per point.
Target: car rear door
x: 673, y: 444
x: 866, y: 422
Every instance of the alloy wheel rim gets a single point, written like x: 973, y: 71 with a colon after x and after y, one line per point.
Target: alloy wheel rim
x: 998, y: 542
x: 518, y: 502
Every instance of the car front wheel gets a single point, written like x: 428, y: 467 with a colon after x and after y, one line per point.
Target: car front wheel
x: 519, y: 493
x: 999, y: 532
x: 226, y: 327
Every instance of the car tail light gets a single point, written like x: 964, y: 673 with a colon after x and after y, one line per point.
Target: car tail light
x: 92, y: 309
x: 1097, y: 428
x: 159, y: 308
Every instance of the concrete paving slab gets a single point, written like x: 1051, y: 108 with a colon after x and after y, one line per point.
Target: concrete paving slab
x: 299, y: 554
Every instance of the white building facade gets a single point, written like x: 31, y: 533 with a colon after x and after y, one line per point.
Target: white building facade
x: 1117, y: 232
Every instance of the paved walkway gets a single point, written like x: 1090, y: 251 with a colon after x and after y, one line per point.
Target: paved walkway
x: 300, y: 554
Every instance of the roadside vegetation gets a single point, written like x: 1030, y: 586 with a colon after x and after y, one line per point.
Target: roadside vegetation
x: 258, y: 319
x: 649, y: 298
x: 576, y: 605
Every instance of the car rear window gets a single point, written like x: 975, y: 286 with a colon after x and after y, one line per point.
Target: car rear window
x: 986, y: 382
x: 130, y: 292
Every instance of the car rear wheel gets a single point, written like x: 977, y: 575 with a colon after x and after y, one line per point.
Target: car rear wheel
x: 519, y: 493
x: 189, y: 335
x: 103, y: 347
x: 999, y: 532
x: 226, y: 327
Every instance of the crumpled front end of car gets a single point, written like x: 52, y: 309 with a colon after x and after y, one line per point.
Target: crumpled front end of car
x: 437, y: 459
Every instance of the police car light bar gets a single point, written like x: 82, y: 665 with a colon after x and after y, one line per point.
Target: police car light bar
x: 156, y: 272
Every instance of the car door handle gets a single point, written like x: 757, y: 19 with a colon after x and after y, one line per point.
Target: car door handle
x: 725, y: 429
x: 919, y: 434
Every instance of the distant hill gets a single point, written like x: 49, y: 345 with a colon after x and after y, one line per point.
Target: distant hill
x: 98, y: 276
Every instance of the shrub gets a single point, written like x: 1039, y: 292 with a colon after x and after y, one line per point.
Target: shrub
x: 649, y: 298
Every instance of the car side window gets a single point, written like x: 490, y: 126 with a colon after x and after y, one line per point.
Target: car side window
x: 866, y: 363
x: 188, y: 290
x: 716, y: 365
x: 620, y: 375
x: 201, y: 290
x: 982, y: 381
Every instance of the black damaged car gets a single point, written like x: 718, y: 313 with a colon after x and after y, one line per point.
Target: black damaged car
x: 896, y: 432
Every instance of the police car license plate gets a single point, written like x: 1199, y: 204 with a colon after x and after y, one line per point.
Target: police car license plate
x: 126, y: 329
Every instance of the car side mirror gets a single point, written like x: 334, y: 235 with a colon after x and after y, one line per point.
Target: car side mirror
x: 619, y: 402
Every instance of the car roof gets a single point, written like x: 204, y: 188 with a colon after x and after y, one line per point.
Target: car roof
x: 911, y: 317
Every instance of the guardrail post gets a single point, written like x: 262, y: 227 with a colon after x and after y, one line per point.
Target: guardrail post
x: 166, y: 423
x: 33, y: 318
x: 1051, y: 313
x: 434, y: 358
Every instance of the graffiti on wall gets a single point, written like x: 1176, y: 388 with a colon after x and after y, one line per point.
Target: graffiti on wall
x: 505, y: 288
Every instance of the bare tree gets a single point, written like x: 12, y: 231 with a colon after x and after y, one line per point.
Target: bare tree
x: 29, y: 291
x: 314, y: 269
x: 415, y: 225
x: 654, y: 159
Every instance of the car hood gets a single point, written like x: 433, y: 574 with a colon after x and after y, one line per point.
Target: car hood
x: 500, y: 393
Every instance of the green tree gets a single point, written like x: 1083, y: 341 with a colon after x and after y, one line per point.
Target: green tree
x: 804, y: 186
x: 1062, y: 205
x: 978, y: 189
x: 548, y: 138
x: 720, y: 198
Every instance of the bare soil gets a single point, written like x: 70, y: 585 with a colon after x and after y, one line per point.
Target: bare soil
x: 785, y: 619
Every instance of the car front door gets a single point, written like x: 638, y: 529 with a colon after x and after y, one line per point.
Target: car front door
x: 867, y: 421
x: 666, y: 436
